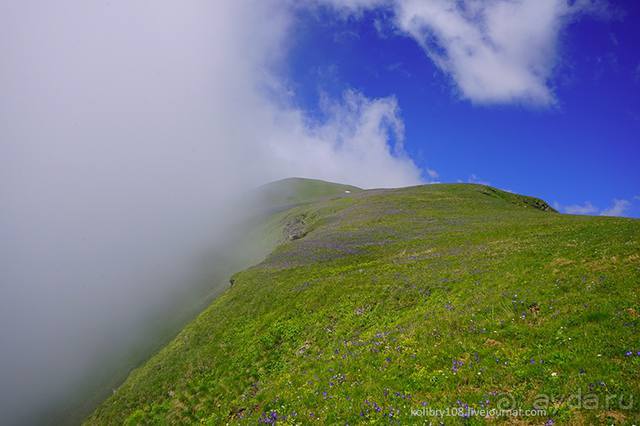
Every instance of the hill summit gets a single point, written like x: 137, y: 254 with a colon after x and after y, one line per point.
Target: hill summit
x: 380, y: 304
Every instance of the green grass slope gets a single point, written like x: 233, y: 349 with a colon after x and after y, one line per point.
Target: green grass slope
x: 293, y: 191
x: 388, y: 301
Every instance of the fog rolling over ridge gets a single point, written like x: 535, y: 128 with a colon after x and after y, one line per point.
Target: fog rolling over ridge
x: 127, y: 129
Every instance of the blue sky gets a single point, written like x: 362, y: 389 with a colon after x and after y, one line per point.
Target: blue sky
x: 580, y: 150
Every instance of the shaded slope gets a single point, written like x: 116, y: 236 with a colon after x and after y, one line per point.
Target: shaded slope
x: 397, y: 298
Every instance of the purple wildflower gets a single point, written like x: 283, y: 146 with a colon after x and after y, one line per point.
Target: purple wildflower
x: 269, y: 418
x: 456, y: 365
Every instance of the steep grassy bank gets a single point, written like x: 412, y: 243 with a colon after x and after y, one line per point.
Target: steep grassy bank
x: 253, y: 234
x: 385, y: 301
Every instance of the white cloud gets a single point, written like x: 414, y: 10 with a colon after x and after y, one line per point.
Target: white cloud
x: 433, y: 174
x: 475, y: 179
x: 353, y: 145
x: 496, y: 51
x: 618, y: 208
x: 586, y: 208
x: 350, y: 6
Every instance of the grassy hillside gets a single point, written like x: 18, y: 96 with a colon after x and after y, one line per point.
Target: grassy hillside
x: 384, y: 301
x: 293, y: 191
x: 255, y: 233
